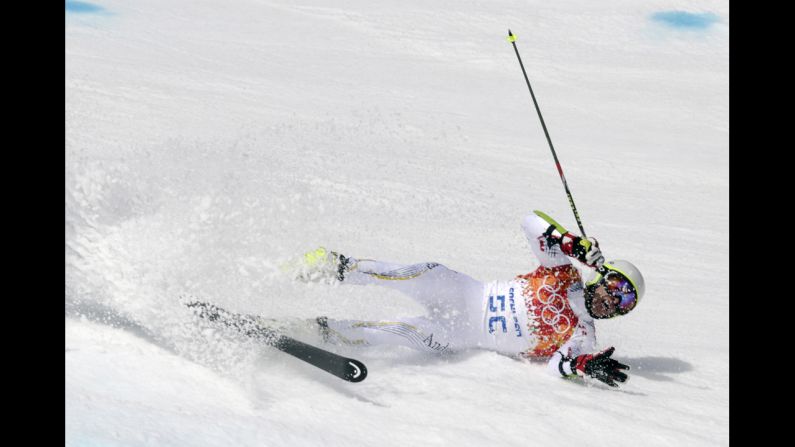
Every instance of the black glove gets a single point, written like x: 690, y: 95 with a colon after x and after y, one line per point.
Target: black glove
x: 600, y: 366
x: 585, y: 250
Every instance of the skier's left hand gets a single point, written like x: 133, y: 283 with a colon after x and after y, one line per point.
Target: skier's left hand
x: 600, y: 366
x: 588, y: 252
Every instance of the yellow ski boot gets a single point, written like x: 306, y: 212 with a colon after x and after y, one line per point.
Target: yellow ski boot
x: 319, y: 265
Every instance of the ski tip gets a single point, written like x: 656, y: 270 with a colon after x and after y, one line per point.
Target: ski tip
x: 356, y: 371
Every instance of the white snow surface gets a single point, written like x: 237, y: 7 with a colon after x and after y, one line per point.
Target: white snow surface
x: 207, y: 141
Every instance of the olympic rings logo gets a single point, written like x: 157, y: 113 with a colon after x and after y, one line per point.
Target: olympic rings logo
x: 559, y: 322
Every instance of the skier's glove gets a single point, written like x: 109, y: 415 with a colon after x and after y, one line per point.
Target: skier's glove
x: 600, y: 366
x: 585, y: 250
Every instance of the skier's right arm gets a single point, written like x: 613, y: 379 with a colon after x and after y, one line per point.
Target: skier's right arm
x: 582, y: 342
x: 550, y: 241
x: 597, y: 365
x: 577, y: 358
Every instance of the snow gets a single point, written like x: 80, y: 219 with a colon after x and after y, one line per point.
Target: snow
x: 206, y: 142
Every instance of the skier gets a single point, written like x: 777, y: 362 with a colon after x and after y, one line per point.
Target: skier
x: 545, y: 314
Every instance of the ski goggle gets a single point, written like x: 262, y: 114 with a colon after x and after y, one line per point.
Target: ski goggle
x: 616, y: 285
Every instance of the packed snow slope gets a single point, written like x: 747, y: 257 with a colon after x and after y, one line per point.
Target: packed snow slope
x: 207, y: 141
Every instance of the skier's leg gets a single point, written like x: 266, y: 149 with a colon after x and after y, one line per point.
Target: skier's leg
x: 443, y: 291
x: 420, y: 333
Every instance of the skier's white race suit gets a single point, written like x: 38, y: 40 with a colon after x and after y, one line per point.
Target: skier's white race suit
x: 538, y: 315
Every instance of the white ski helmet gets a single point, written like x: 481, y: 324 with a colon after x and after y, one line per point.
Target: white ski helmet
x: 620, y: 279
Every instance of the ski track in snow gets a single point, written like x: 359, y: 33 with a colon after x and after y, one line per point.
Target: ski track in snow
x: 208, y: 142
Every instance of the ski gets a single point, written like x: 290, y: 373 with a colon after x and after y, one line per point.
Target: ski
x: 345, y: 368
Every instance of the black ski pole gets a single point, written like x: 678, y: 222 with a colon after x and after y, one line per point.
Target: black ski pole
x: 512, y: 39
